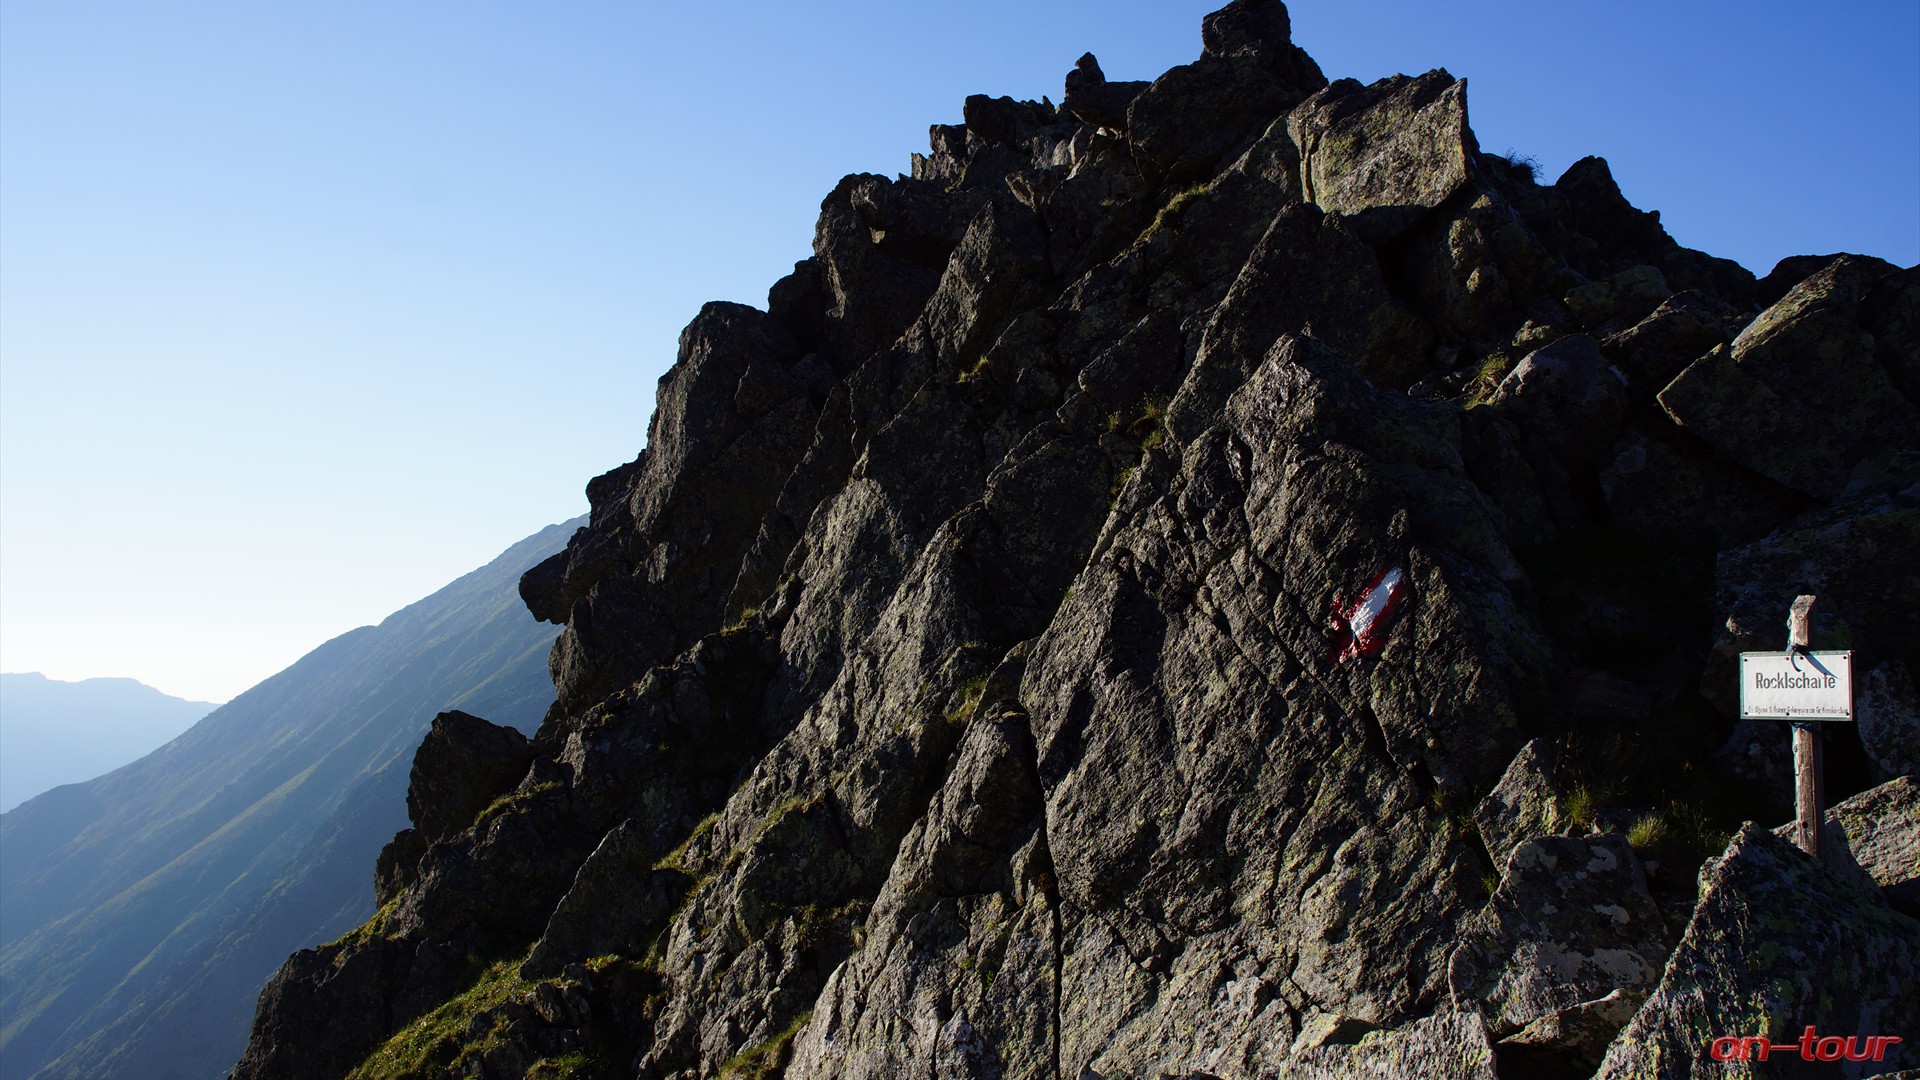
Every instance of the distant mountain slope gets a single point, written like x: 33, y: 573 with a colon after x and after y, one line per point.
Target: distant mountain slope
x: 54, y: 732
x: 144, y: 910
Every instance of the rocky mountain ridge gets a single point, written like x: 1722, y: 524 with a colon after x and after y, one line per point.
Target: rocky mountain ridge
x: 1220, y: 577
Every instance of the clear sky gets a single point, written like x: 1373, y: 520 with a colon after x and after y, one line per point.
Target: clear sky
x: 306, y: 309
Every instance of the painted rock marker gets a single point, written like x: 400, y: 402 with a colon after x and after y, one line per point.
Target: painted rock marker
x: 1360, y: 626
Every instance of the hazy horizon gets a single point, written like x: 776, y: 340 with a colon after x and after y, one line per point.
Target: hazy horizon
x: 57, y: 731
x: 107, y: 679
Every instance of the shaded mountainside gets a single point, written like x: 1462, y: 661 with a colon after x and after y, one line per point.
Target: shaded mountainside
x: 54, y: 732
x: 143, y: 910
x: 1216, y: 578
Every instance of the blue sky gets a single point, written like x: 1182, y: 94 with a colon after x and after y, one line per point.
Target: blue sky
x: 307, y: 309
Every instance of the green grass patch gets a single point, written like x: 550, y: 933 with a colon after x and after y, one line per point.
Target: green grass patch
x: 564, y: 1068
x: 516, y: 800
x: 1522, y: 164
x: 430, y: 1044
x: 974, y: 373
x: 374, y: 927
x: 741, y: 624
x: 1146, y: 423
x: 1458, y: 817
x: 797, y: 804
x: 1582, y: 806
x: 768, y: 1057
x: 969, y: 694
x: 1683, y: 832
x: 1175, y: 207
x: 1149, y: 424
x: 675, y: 859
x: 1487, y: 379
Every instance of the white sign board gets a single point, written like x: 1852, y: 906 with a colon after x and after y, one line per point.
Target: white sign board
x: 1796, y: 686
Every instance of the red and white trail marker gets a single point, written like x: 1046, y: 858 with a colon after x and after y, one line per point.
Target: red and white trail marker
x: 1360, y: 627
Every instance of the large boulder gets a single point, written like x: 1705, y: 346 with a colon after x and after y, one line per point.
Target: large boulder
x: 1887, y: 708
x: 1876, y: 835
x: 618, y: 900
x: 1248, y: 74
x: 1571, y: 921
x: 1568, y: 397
x: 669, y: 531
x: 1801, y: 396
x: 1525, y: 803
x: 1262, y: 30
x: 1892, y: 315
x: 1383, y: 155
x: 1624, y: 298
x: 1685, y: 327
x: 1182, y: 125
x: 1777, y: 944
x: 1570, y: 1043
x: 1597, y: 209
x: 1668, y: 493
x: 1448, y: 1046
x: 463, y: 764
x: 1881, y: 827
x: 1311, y: 275
x: 1091, y: 99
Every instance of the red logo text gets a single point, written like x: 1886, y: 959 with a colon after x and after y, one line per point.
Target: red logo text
x: 1812, y: 1046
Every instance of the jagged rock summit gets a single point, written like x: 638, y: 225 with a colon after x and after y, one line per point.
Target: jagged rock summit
x: 1069, y: 632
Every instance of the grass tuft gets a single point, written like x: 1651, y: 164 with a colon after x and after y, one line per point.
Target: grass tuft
x: 1522, y: 163
x: 567, y: 1067
x: 430, y: 1044
x: 974, y: 373
x: 1175, y: 207
x: 741, y: 624
x: 1683, y: 832
x: 675, y: 859
x: 1486, y: 379
x: 515, y: 800
x: 374, y: 927
x: 1582, y: 806
x: 768, y: 1057
x: 970, y: 692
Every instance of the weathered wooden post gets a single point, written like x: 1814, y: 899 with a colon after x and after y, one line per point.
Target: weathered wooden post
x: 1809, y: 777
x: 1805, y: 687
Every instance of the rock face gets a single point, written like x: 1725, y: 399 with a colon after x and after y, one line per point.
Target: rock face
x: 1384, y: 155
x: 1090, y: 623
x: 1450, y: 1046
x: 1874, y: 837
x: 1801, y: 396
x: 1779, y: 944
x: 1571, y: 922
x: 461, y: 766
x: 1524, y: 805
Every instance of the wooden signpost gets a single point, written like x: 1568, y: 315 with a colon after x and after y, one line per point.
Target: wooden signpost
x: 1803, y: 686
